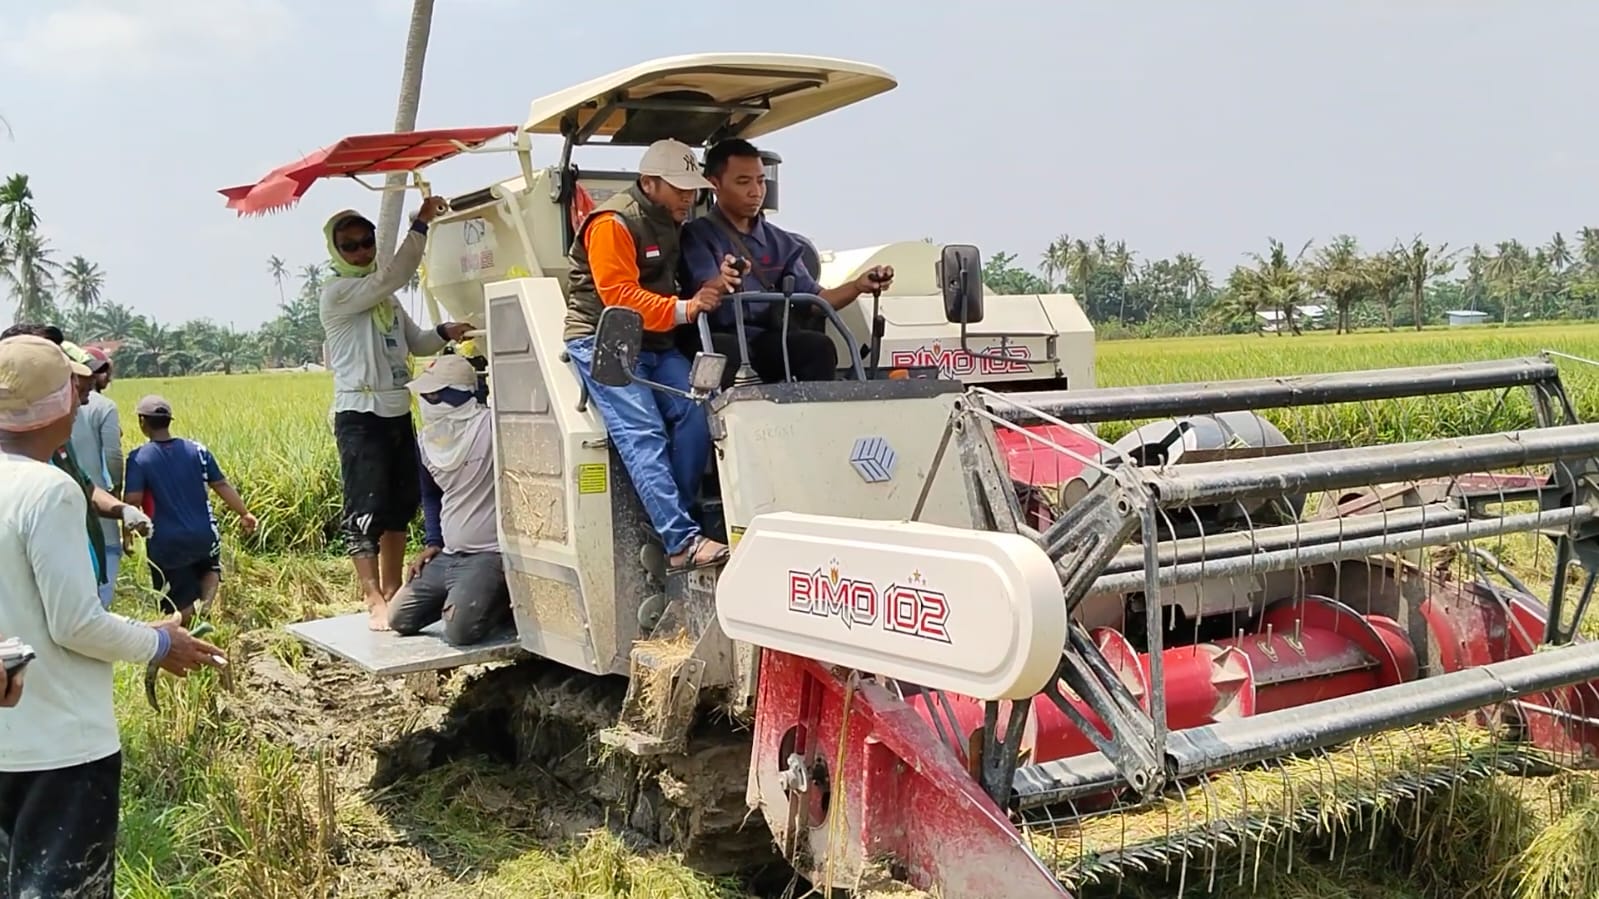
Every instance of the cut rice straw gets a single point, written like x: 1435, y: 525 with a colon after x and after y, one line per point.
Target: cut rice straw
x: 1258, y: 809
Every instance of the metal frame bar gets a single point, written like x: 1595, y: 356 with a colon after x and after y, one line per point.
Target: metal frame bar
x: 1242, y: 741
x: 1301, y: 555
x: 1161, y: 400
x: 1215, y: 482
x: 1234, y: 543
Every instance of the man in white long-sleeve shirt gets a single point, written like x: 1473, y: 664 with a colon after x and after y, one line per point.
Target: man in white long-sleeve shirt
x: 60, y: 753
x: 370, y: 340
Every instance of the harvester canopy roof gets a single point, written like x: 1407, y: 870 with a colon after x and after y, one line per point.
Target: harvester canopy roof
x: 362, y: 154
x: 705, y: 97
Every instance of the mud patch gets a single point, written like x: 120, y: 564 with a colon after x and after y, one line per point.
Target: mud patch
x: 439, y: 782
x: 320, y: 705
x: 426, y: 792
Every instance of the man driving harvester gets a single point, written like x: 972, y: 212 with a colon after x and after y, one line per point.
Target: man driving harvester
x: 737, y: 227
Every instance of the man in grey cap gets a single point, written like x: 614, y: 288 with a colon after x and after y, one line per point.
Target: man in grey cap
x: 60, y: 751
x: 97, y: 444
x: 458, y: 576
x: 169, y: 475
x: 626, y: 253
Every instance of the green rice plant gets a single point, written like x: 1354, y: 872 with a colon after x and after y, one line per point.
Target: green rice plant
x: 1563, y: 859
x: 274, y: 440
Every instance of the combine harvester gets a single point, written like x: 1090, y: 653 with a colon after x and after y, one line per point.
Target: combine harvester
x: 962, y: 639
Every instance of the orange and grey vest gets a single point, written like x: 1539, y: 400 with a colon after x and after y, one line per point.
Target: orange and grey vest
x: 656, y: 238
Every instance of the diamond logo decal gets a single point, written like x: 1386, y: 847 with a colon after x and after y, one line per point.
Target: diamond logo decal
x: 873, y: 459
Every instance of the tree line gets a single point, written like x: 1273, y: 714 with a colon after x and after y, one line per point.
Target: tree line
x: 74, y: 296
x: 1405, y: 285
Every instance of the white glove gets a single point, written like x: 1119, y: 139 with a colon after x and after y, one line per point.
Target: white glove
x: 136, y: 521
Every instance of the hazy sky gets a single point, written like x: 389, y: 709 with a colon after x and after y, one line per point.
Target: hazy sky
x: 1177, y: 126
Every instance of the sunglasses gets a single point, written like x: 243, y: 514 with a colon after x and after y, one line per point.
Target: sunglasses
x: 449, y: 395
x: 350, y: 246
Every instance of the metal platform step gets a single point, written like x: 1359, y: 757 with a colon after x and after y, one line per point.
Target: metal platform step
x: 387, y: 654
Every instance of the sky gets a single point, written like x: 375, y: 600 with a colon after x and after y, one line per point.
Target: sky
x: 1177, y: 126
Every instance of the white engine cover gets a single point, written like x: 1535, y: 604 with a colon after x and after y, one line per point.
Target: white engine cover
x: 977, y: 613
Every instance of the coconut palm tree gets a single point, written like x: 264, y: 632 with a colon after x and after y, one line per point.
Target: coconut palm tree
x: 1588, y: 250
x: 1387, y: 274
x: 1421, y: 264
x: 1340, y: 274
x: 84, y: 282
x: 26, y: 263
x: 1193, y: 277
x: 416, y: 48
x: 1475, y: 284
x: 1559, y: 252
x: 1278, y: 283
x: 1507, y: 273
x: 311, y: 277
x: 1119, y: 262
x: 279, y: 270
x: 1242, y: 296
x: 1057, y: 256
x: 1083, y: 264
x: 28, y: 268
x: 17, y: 216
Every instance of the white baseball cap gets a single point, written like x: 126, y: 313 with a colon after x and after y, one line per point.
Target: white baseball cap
x: 674, y: 161
x: 452, y: 370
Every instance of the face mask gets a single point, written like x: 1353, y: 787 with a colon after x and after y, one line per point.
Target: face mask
x: 449, y: 419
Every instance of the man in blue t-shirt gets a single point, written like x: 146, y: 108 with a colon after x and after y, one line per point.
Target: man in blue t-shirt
x: 168, y: 477
x: 737, y: 227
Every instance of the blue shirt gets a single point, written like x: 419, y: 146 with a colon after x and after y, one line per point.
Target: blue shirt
x: 173, y: 476
x: 776, y: 253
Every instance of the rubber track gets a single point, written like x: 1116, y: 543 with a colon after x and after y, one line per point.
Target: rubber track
x: 542, y: 714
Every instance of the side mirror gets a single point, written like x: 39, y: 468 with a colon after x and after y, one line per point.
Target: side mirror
x: 617, y: 342
x: 960, y: 274
x: 705, y: 374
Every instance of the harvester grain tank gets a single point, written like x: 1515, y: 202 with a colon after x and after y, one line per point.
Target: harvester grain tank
x: 960, y: 631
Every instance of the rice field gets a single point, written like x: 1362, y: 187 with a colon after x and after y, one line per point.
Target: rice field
x: 272, y: 434
x: 246, y: 785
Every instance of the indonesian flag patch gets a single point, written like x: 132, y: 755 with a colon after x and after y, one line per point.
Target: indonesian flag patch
x: 652, y: 252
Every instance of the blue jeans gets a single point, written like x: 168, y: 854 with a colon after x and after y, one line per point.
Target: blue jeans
x: 113, y: 561
x: 663, y: 440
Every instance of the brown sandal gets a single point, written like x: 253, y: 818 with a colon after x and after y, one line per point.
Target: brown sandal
x: 688, y: 564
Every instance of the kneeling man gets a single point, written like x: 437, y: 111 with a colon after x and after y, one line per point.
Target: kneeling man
x: 458, y: 576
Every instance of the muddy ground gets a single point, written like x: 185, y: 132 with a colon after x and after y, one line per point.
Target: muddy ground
x: 432, y: 782
x: 365, y: 730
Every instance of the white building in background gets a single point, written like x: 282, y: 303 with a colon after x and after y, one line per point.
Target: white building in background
x: 1461, y: 317
x: 1309, y: 318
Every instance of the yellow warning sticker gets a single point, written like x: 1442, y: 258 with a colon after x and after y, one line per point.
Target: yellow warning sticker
x: 733, y: 535
x: 591, y: 477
